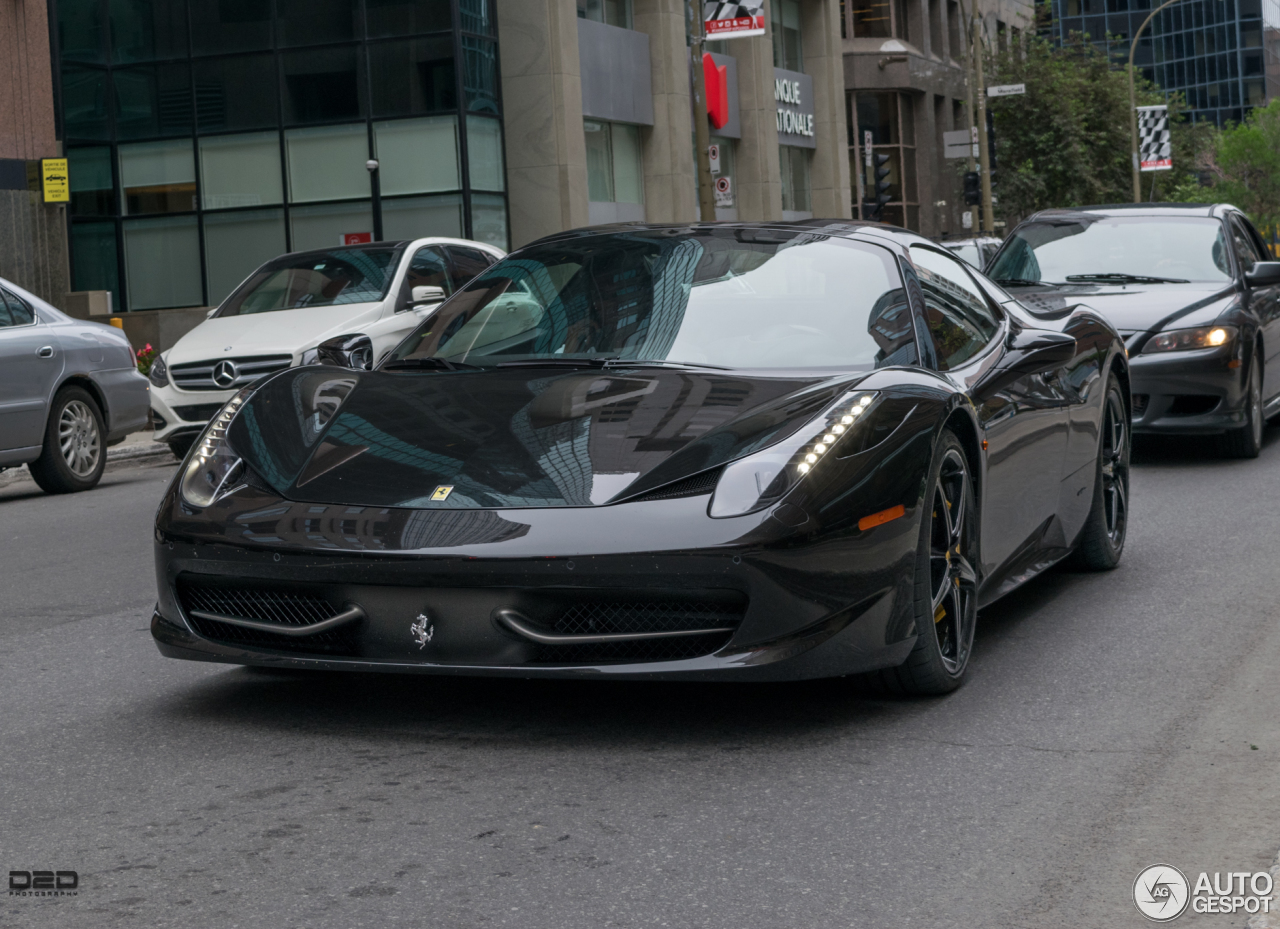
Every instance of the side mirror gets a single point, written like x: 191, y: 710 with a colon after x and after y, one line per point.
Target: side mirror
x: 1035, y: 350
x: 426, y: 294
x: 347, y: 351
x: 1264, y: 274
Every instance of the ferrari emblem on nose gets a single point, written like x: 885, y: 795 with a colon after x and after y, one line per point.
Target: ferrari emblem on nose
x: 442, y: 492
x: 422, y: 631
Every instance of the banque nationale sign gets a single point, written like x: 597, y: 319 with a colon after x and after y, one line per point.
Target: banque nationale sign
x: 793, y: 93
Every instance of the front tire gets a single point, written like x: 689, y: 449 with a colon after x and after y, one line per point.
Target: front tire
x: 1246, y: 442
x: 946, y: 584
x: 74, y: 454
x: 1102, y: 539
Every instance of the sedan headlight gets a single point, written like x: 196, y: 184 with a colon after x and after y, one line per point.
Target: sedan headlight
x: 1179, y: 340
x: 758, y: 480
x: 159, y: 373
x: 213, y: 467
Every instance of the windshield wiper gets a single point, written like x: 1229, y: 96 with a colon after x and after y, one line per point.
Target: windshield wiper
x: 1024, y: 282
x: 428, y: 364
x: 1127, y: 278
x: 555, y: 362
x: 658, y: 362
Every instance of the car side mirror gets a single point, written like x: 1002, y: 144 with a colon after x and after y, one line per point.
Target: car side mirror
x: 1264, y: 274
x: 424, y: 293
x: 1035, y: 350
x: 347, y: 351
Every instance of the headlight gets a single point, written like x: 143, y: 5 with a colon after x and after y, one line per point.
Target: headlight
x: 1178, y: 340
x: 758, y: 480
x: 213, y: 468
x: 310, y: 357
x: 159, y: 373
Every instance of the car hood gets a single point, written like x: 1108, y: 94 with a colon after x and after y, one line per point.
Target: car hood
x: 279, y: 333
x: 1129, y: 308
x: 522, y: 437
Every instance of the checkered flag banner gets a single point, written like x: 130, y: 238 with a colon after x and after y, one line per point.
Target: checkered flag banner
x: 733, y: 19
x: 1155, y: 149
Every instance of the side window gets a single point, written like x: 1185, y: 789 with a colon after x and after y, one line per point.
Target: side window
x: 14, y: 311
x: 1246, y: 250
x: 467, y: 264
x: 427, y: 268
x: 961, y: 321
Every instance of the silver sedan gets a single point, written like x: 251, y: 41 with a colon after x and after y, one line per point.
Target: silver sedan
x: 68, y: 389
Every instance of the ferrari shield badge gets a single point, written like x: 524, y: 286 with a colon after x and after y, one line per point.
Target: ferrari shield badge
x: 442, y: 492
x: 422, y: 631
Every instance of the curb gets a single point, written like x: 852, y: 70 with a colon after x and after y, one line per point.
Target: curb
x: 139, y: 452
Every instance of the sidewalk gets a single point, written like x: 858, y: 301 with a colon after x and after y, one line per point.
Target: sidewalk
x: 139, y: 447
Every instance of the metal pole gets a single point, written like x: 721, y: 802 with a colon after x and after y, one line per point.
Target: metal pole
x: 1133, y: 102
x: 701, y: 134
x: 984, y: 155
x: 970, y: 81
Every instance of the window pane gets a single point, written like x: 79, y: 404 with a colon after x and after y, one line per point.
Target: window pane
x: 484, y: 153
x: 878, y: 114
x: 321, y: 85
x: 959, y: 319
x: 236, y: 93
x: 80, y: 32
x: 152, y: 101
x: 162, y: 262
x: 599, y: 162
x: 84, y: 103
x: 475, y: 16
x: 93, y: 259
x: 427, y: 268
x: 158, y: 177
x: 411, y: 77
x: 237, y: 243
x: 91, y: 186
x: 229, y: 26
x: 417, y: 155
x: 628, y: 175
x: 907, y: 122
x: 327, y: 163
x: 402, y: 17
x: 794, y: 164
x: 325, y: 226
x: 417, y: 217
x: 240, y: 170
x: 144, y: 31
x: 311, y: 22
x: 480, y: 74
x: 467, y: 264
x: 489, y: 219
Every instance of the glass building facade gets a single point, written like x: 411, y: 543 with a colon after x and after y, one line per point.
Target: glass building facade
x: 207, y: 136
x: 1222, y: 54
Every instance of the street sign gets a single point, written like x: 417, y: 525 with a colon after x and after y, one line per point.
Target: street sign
x: 356, y: 238
x: 1155, y: 148
x: 732, y: 19
x: 866, y: 148
x: 54, y: 179
x: 956, y: 144
x: 713, y: 155
x: 1006, y: 90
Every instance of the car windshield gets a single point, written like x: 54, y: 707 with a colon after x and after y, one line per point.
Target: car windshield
x: 294, y: 282
x: 1074, y: 249
x: 733, y: 297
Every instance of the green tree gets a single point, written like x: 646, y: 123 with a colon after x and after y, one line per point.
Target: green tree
x: 1246, y: 165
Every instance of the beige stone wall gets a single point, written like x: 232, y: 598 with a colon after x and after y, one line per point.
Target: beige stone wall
x: 824, y: 60
x: 542, y: 113
x: 759, y: 179
x: 670, y: 193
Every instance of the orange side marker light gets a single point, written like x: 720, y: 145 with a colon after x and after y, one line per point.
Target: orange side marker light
x: 884, y: 516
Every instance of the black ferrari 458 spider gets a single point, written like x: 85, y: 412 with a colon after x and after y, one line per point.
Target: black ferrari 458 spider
x: 722, y: 451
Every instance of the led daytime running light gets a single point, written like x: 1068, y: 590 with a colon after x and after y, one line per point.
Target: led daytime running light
x: 839, y: 421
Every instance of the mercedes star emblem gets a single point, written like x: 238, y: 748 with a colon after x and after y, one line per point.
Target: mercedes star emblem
x: 225, y: 373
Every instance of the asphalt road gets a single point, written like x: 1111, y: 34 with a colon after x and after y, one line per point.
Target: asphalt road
x: 1108, y: 724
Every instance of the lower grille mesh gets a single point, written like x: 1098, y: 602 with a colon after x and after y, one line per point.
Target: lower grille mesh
x: 609, y: 618
x: 275, y: 605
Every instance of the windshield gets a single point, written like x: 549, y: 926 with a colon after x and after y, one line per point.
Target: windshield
x: 758, y: 298
x: 1181, y: 248
x: 292, y: 282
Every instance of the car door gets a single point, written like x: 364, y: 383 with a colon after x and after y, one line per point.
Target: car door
x: 1023, y: 418
x: 30, y: 365
x: 428, y: 267
x: 1264, y: 301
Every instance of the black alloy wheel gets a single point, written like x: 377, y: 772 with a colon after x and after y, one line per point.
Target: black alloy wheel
x: 1246, y: 442
x: 1102, y: 539
x: 946, y: 582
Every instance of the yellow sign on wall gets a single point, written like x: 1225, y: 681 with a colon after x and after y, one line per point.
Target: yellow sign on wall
x: 54, y: 179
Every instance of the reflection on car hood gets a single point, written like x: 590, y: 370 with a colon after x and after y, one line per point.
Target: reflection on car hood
x: 521, y: 437
x: 279, y: 332
x: 1131, y: 308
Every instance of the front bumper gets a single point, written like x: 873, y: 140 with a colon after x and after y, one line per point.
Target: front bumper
x: 184, y: 413
x: 1188, y: 393
x: 811, y: 607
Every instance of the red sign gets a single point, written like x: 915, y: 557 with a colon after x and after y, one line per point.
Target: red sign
x: 733, y: 19
x: 717, y: 81
x: 356, y: 238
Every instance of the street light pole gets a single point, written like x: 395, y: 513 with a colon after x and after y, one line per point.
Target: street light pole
x: 984, y: 151
x: 1133, y: 102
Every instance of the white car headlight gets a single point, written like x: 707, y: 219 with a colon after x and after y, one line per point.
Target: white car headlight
x: 758, y: 480
x: 213, y: 467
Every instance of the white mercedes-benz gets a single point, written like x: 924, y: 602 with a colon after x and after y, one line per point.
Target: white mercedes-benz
x: 369, y: 296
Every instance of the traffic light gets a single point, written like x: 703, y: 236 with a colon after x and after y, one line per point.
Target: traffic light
x: 972, y: 188
x: 873, y: 206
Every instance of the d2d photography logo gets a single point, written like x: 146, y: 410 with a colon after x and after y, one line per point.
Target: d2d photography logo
x: 44, y: 884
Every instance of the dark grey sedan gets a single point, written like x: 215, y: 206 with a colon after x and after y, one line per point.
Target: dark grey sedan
x: 68, y: 389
